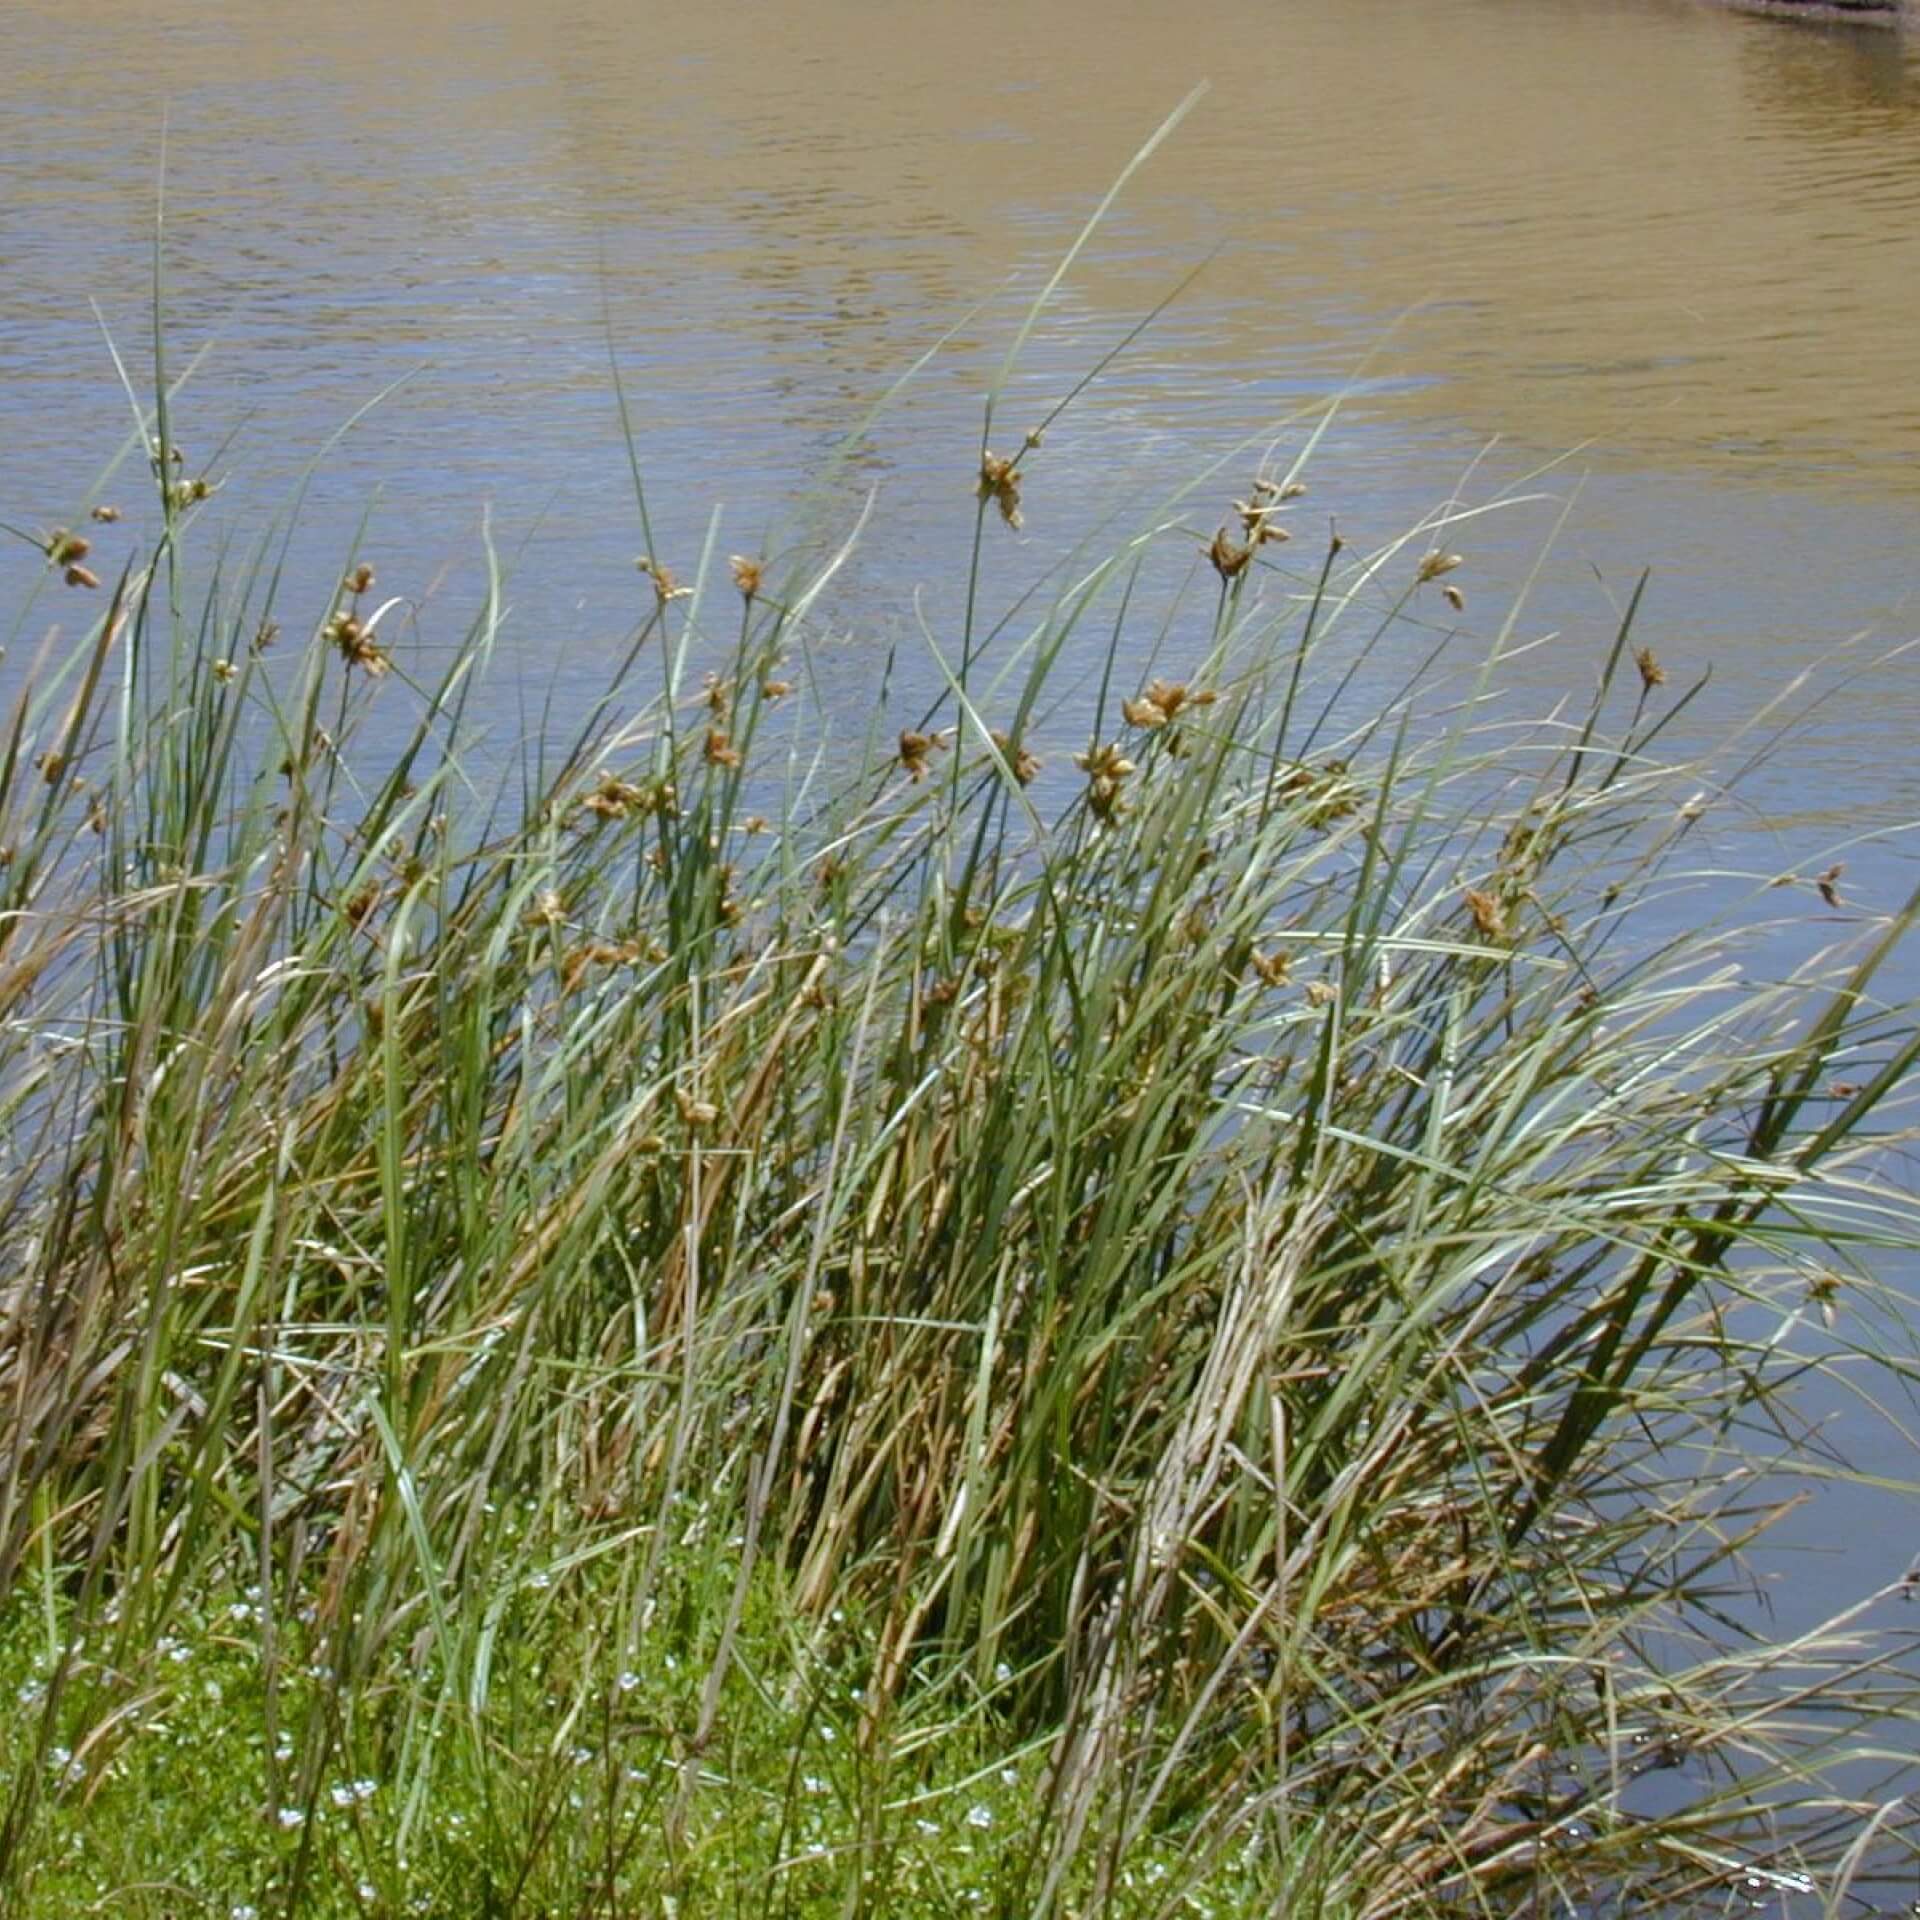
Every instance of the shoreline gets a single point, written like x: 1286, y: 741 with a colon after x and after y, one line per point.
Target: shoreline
x: 1893, y: 14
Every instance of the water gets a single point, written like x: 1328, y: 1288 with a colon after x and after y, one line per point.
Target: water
x: 1673, y: 250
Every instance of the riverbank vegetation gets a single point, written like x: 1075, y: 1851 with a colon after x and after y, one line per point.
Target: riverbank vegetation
x: 1165, y: 1289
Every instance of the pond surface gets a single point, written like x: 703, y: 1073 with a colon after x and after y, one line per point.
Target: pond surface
x: 1673, y: 251
x: 1682, y: 242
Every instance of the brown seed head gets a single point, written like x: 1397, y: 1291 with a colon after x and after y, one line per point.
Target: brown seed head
x: 746, y: 574
x: 1172, y: 696
x: 357, y: 646
x: 1228, y: 557
x: 1271, y: 969
x: 1024, y: 765
x: 915, y: 749
x: 613, y: 798
x: 720, y: 751
x: 1000, y: 483
x: 1104, y: 763
x: 106, y: 515
x: 359, y: 580
x: 1107, y: 769
x: 665, y: 587
x: 65, y: 549
x: 1652, y: 673
x: 1259, y: 516
x: 1488, y: 919
x: 1437, y: 563
x: 79, y: 576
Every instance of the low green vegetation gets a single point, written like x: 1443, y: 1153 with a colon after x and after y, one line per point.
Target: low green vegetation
x: 1136, y: 1297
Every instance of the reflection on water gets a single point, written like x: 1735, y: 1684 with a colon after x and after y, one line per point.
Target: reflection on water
x: 1686, y: 241
x: 1692, y: 236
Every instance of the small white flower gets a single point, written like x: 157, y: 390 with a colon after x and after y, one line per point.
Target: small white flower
x: 583, y: 1756
x: 291, y: 1817
x: 928, y: 1826
x: 979, y: 1816
x: 812, y: 1783
x: 243, y: 1912
x: 541, y: 1580
x: 367, y: 1890
x: 1003, y: 1673
x: 628, y: 1681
